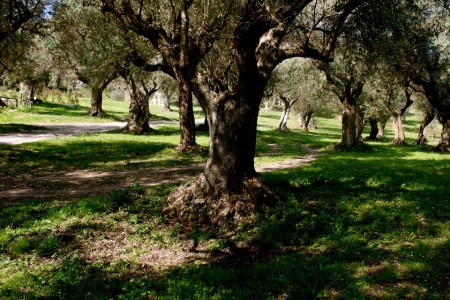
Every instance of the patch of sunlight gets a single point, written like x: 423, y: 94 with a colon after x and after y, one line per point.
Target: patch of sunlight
x: 412, y: 266
x: 347, y: 179
x: 416, y: 186
x: 376, y: 182
x: 382, y: 291
x: 419, y: 155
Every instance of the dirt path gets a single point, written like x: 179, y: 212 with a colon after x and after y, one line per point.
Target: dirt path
x: 59, y: 130
x: 85, y: 183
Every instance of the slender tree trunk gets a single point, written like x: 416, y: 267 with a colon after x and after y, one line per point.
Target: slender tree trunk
x: 421, y: 138
x: 283, y: 120
x: 96, y: 102
x: 349, y: 135
x: 287, y: 105
x: 310, y: 121
x: 302, y: 122
x: 399, y: 132
x: 32, y: 90
x: 374, y: 131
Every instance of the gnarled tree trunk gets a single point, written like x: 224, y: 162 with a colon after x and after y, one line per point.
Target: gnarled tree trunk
x: 166, y: 102
x: 96, y: 102
x: 397, y: 124
x: 381, y: 127
x: 349, y: 134
x: 139, y: 108
x: 428, y: 118
x: 359, y: 123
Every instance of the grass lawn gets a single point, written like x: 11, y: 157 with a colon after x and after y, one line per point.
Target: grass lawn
x: 349, y: 225
x: 49, y: 112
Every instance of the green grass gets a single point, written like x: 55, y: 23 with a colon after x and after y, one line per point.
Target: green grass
x: 101, y: 152
x: 51, y: 112
x: 350, y: 225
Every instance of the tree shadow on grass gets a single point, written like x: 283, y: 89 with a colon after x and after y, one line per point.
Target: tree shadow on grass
x: 93, y: 150
x: 363, y: 213
x: 14, y: 128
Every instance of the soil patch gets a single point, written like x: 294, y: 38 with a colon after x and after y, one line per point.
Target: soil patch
x: 83, y: 183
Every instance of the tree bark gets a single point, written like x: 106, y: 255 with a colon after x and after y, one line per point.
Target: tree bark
x: 187, y: 120
x: 96, y: 102
x: 444, y: 143
x: 166, y: 103
x: 139, y: 116
x: 306, y: 120
x: 421, y: 138
x: 287, y: 105
x: 232, y: 128
x: 349, y: 134
x: 359, y: 123
x: 381, y: 128
x: 397, y: 123
x: 399, y: 132
x: 139, y: 108
x: 374, y: 131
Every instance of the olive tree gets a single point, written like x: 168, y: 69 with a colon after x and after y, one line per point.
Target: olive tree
x: 182, y: 32
x: 299, y: 85
x: 91, y: 44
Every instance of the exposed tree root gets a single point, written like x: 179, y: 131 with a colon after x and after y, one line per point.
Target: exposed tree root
x: 191, y: 149
x: 399, y: 142
x: 443, y: 147
x: 193, y: 207
x: 358, y: 147
x: 99, y: 114
x: 145, y: 130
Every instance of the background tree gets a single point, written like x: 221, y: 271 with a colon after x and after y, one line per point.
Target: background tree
x: 141, y: 86
x: 91, y: 44
x: 376, y: 113
x: 396, y: 94
x: 20, y: 21
x: 346, y: 77
x: 35, y: 67
x: 168, y: 88
x: 429, y: 114
x: 419, y: 46
x: 182, y: 32
x: 300, y: 84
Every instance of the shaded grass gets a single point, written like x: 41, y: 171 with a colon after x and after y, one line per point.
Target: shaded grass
x: 18, y: 128
x: 106, y: 151
x: 349, y: 225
